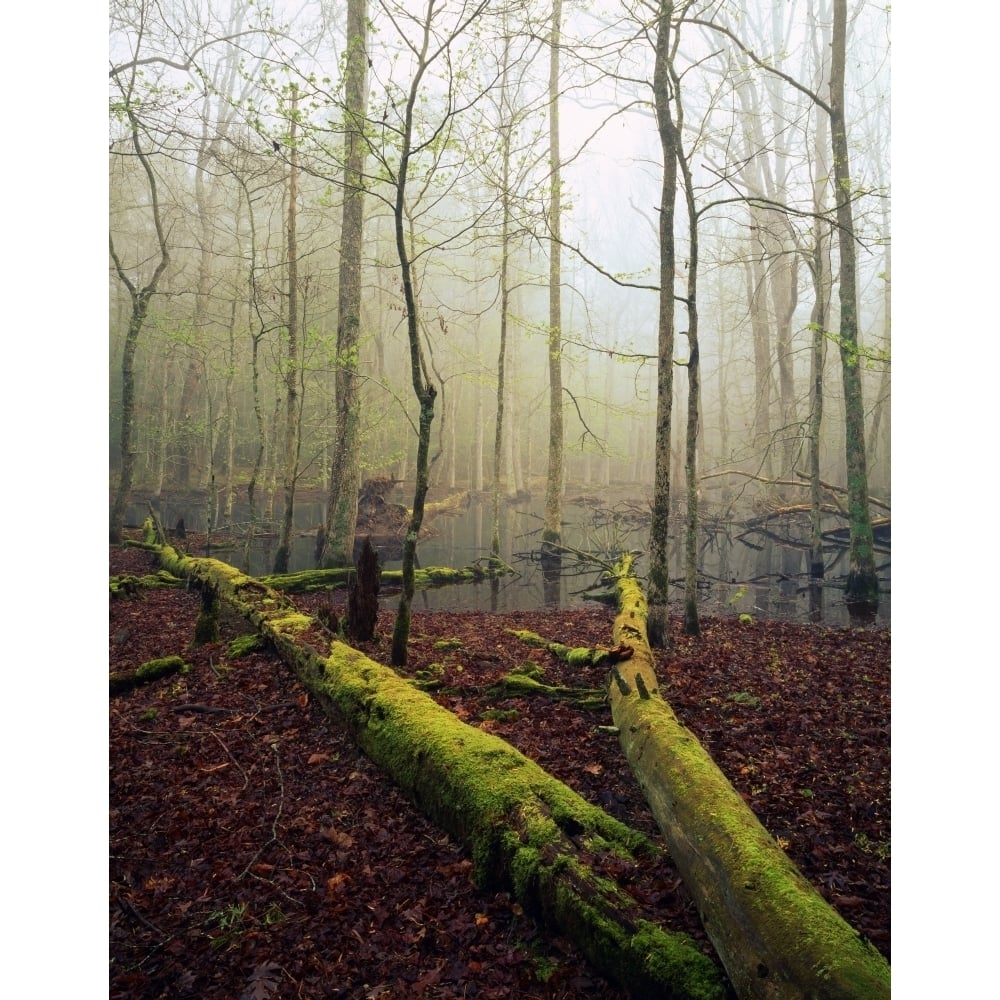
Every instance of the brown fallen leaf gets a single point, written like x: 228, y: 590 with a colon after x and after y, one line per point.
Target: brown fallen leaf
x: 337, y: 837
x: 337, y: 882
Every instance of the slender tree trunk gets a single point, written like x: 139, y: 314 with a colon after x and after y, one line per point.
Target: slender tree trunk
x: 819, y: 267
x: 691, y: 626
x: 478, y: 444
x: 231, y: 418
x: 345, y: 473
x: 423, y: 388
x: 552, y: 530
x: 659, y: 580
x: 862, y: 581
x: 882, y: 399
x: 290, y: 474
x: 756, y: 303
x: 498, y: 440
x: 258, y: 463
x: 140, y: 298
x: 817, y: 363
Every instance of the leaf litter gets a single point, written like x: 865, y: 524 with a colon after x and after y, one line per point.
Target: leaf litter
x: 255, y: 852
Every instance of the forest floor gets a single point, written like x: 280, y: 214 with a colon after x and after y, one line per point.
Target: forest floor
x: 256, y: 853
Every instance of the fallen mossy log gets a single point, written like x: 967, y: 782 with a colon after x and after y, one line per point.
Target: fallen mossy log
x: 521, y: 683
x: 578, y: 656
x: 120, y: 681
x: 446, y: 505
x: 525, y: 830
x: 332, y: 579
x: 777, y: 937
x: 129, y: 585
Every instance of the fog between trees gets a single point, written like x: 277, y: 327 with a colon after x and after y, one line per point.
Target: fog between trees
x: 220, y: 111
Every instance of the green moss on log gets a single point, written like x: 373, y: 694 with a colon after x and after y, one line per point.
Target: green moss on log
x: 121, y: 681
x: 515, y: 819
x: 333, y: 579
x: 244, y: 644
x: 517, y: 684
x: 777, y: 937
x: 575, y: 656
x: 128, y: 585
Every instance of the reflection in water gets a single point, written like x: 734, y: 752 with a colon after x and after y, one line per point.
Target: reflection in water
x: 551, y: 561
x: 761, y: 571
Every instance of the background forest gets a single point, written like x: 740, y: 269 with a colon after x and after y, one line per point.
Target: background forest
x: 491, y: 245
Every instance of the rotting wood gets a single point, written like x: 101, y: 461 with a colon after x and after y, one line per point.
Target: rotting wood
x: 518, y: 684
x: 122, y: 681
x: 575, y: 656
x: 777, y: 937
x: 520, y: 824
x: 332, y: 579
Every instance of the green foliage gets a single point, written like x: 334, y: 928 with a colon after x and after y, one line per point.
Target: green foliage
x: 500, y: 714
x: 230, y: 921
x: 244, y: 644
x: 880, y: 848
x: 530, y: 669
x: 744, y: 698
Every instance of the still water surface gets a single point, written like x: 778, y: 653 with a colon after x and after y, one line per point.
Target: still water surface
x: 761, y: 570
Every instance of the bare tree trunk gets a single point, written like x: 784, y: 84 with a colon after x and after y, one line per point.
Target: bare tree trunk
x: 659, y: 580
x: 756, y: 303
x: 862, y: 581
x: 552, y: 531
x: 231, y: 418
x: 345, y: 474
x: 283, y: 554
x: 479, y: 443
x: 423, y: 388
x: 820, y: 270
x: 140, y: 298
x: 691, y: 626
x: 498, y: 440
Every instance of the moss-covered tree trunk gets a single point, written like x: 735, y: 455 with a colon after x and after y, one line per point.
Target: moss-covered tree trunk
x: 659, y: 542
x: 862, y: 580
x: 775, y: 934
x: 521, y: 825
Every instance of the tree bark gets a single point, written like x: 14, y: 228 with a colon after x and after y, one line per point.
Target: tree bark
x: 862, y: 580
x: 520, y: 825
x: 122, y: 681
x: 140, y: 299
x: 331, y: 579
x: 345, y: 475
x: 291, y: 469
x: 552, y: 528
x: 774, y: 933
x: 659, y: 579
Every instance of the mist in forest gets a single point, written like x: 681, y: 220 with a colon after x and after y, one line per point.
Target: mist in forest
x: 230, y: 132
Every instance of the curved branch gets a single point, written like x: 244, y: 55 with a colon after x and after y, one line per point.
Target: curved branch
x: 750, y: 54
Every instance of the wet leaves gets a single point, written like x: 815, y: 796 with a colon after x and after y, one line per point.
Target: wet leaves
x: 261, y: 812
